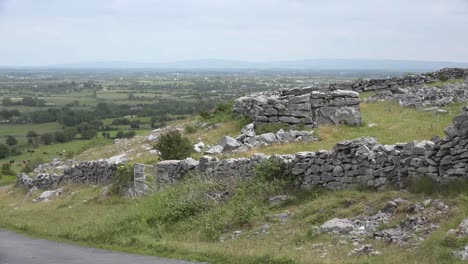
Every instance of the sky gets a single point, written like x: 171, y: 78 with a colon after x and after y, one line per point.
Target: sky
x: 47, y: 32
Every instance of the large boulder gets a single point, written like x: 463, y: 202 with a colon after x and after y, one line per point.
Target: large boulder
x: 228, y: 143
x: 48, y: 195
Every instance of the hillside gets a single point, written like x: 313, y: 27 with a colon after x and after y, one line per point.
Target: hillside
x: 271, y: 211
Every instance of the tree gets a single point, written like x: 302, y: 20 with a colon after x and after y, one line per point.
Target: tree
x: 47, y: 138
x: 6, y: 170
x: 60, y: 136
x: 6, y: 101
x: 32, y: 137
x: 173, y: 145
x: 31, y: 134
x: 4, y: 151
x: 135, y: 124
x: 11, y: 141
x: 28, y: 101
x: 88, y: 134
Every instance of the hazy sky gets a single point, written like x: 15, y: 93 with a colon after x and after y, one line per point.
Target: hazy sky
x: 41, y: 32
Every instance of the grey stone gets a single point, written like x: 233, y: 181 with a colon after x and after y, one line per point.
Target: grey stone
x: 228, y: 143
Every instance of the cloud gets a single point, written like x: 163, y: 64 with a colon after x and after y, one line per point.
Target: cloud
x: 55, y: 31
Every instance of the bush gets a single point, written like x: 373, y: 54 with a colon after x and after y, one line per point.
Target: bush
x: 88, y: 134
x: 47, y: 138
x: 443, y: 78
x: 11, y: 141
x: 4, y: 151
x: 135, y: 124
x: 30, y: 166
x: 60, y: 136
x: 272, y: 169
x: 173, y: 145
x: 187, y: 200
x: 122, y: 134
x: 190, y: 129
x: 6, y: 170
x: 123, y: 178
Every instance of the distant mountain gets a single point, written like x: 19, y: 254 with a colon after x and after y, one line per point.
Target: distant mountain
x: 313, y: 64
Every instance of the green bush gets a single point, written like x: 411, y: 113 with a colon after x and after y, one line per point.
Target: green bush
x: 272, y: 169
x: 187, y: 199
x: 11, y: 141
x: 4, y: 151
x: 174, y: 146
x: 6, y: 170
x: 443, y: 78
x: 190, y: 129
x: 123, y: 178
x: 30, y: 166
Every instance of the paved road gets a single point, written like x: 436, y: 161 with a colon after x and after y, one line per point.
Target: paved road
x: 18, y: 249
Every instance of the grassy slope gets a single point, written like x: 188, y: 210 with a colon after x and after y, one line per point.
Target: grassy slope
x: 394, y: 124
x: 130, y: 225
x: 82, y: 216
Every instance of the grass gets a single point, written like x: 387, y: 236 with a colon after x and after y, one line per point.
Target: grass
x: 181, y: 222
x: 7, y: 180
x: 49, y: 152
x: 394, y: 124
x: 440, y: 83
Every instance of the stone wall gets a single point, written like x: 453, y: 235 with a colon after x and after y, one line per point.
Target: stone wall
x: 312, y: 108
x: 359, y: 162
x: 402, y: 81
x: 90, y: 172
x: 422, y: 95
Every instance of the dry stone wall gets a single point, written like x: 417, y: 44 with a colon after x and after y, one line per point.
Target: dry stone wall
x: 359, y: 162
x: 90, y: 172
x: 402, y: 81
x: 311, y: 108
x: 420, y: 96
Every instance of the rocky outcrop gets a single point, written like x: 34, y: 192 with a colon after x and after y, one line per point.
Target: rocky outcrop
x: 249, y: 139
x: 302, y: 106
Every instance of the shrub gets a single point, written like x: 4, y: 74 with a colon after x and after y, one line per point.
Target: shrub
x: 122, y: 134
x: 47, y: 138
x: 60, y: 136
x: 30, y: 166
x: 186, y: 200
x: 190, y: 129
x: 135, y: 124
x: 11, y: 141
x: 271, y: 169
x: 443, y: 78
x: 4, y: 151
x: 123, y: 178
x: 88, y: 134
x: 173, y: 145
x: 6, y: 170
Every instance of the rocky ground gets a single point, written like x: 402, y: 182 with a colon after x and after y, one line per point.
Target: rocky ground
x: 424, y: 96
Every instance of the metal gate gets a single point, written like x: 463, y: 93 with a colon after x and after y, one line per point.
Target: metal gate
x: 144, y: 179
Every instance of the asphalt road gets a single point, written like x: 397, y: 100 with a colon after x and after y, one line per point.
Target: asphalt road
x: 19, y: 249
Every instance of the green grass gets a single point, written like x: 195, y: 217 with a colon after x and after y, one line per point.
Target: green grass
x: 394, y: 124
x: 7, y: 180
x: 49, y: 152
x: 19, y: 131
x: 182, y: 222
x: 440, y: 83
